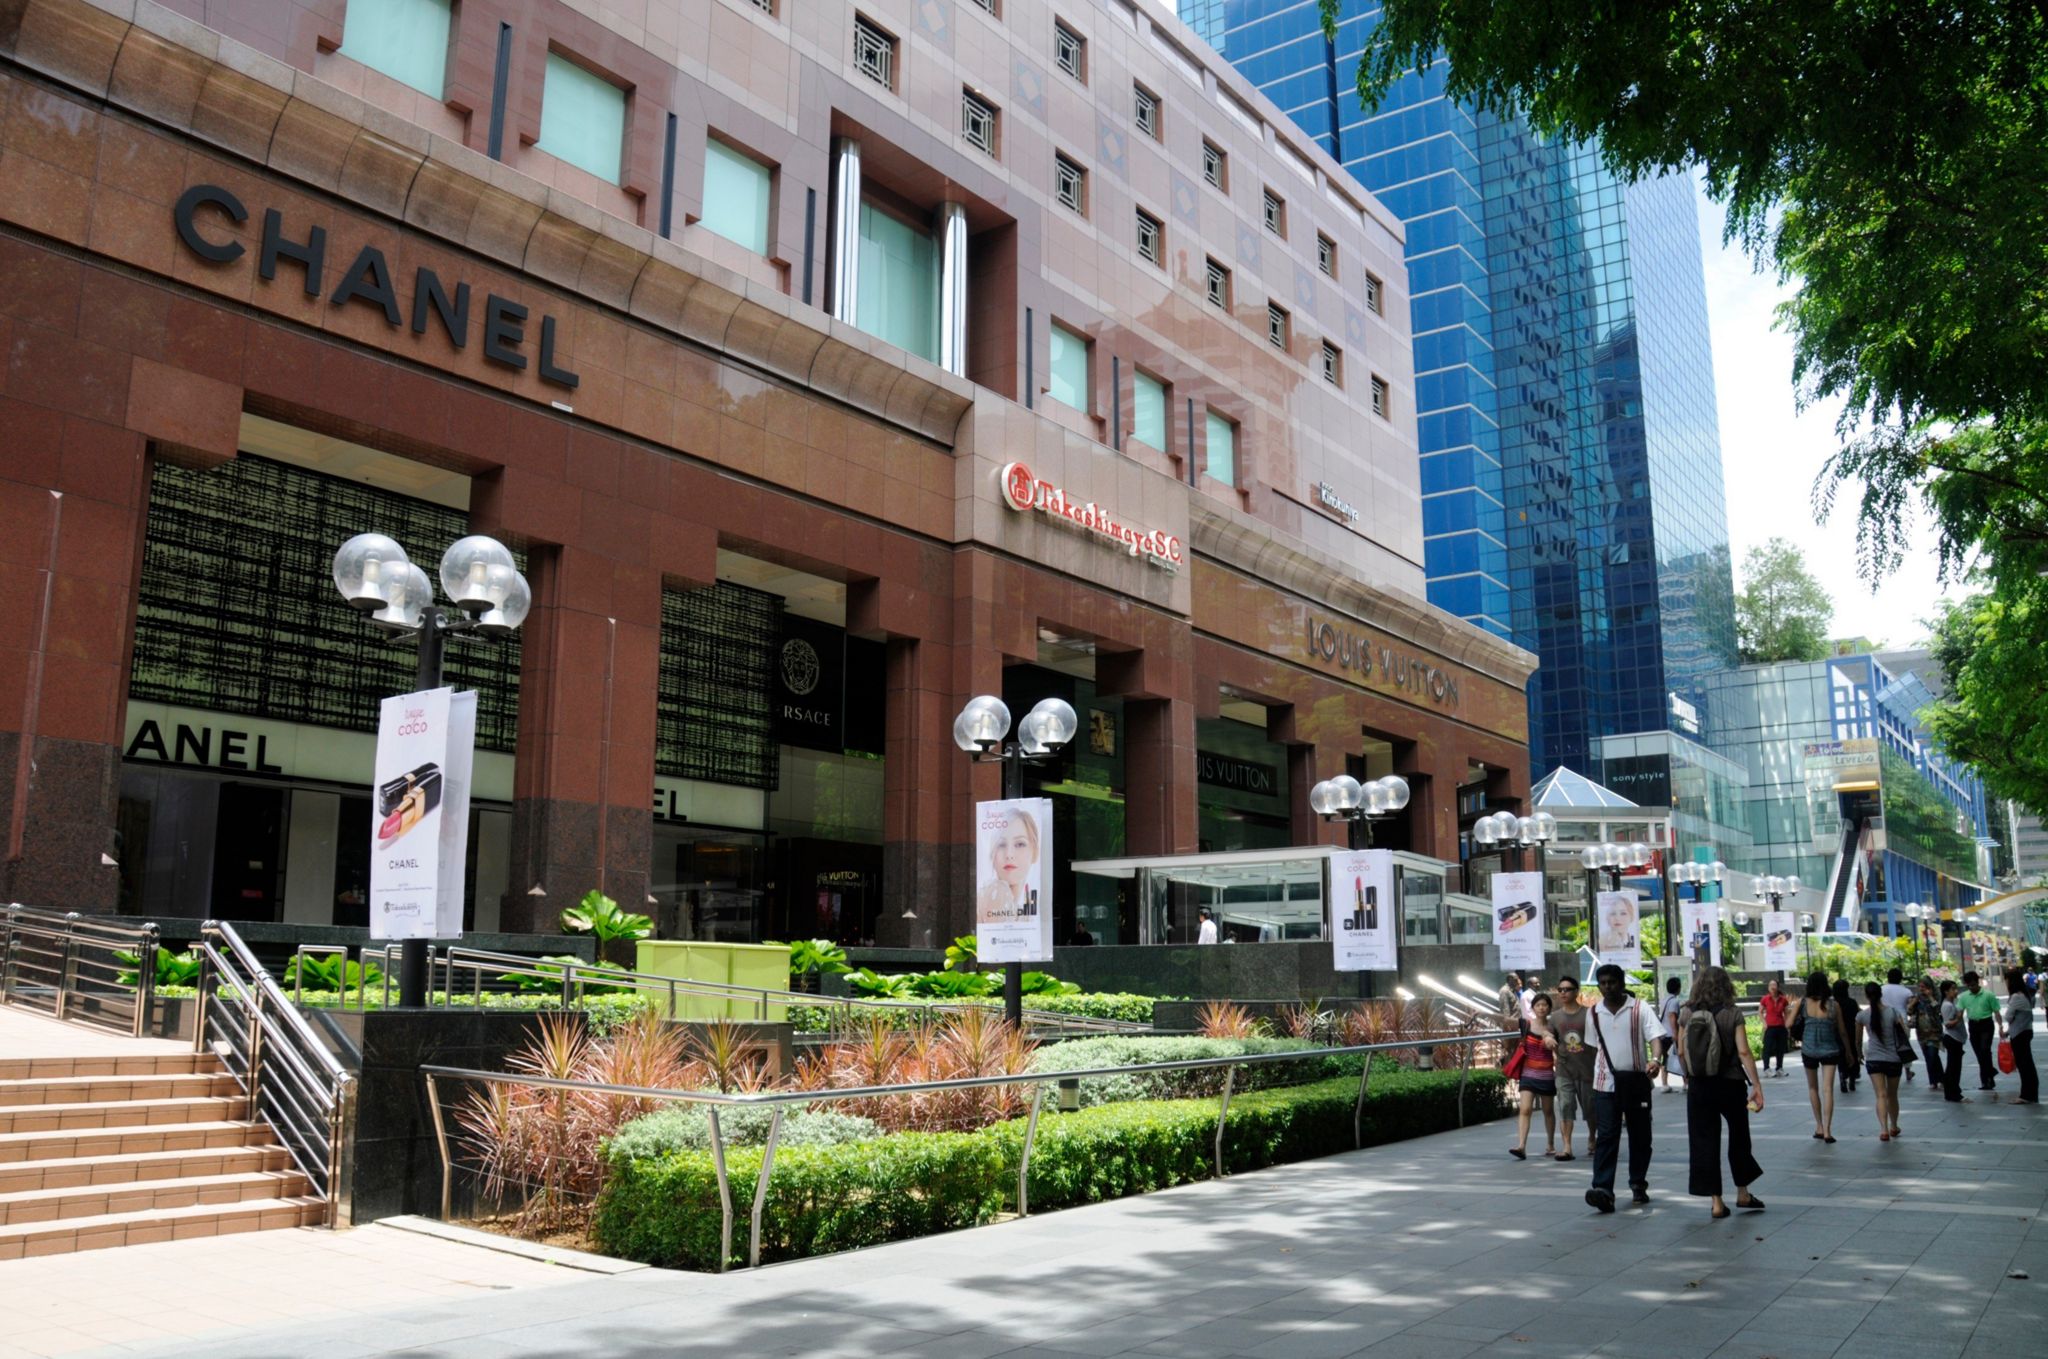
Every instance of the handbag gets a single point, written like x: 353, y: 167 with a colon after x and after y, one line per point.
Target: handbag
x: 2005, y: 1060
x: 1799, y: 1023
x: 1512, y: 1067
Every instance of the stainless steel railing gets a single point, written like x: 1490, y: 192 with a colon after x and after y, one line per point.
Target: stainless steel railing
x: 777, y: 1101
x: 292, y: 1082
x: 67, y: 965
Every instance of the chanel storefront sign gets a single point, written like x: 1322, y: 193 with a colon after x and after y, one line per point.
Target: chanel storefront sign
x: 367, y: 280
x: 1347, y: 648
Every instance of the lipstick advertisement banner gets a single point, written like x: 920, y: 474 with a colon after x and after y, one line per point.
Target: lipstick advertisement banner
x: 1361, y: 897
x: 1518, y: 919
x: 419, y: 814
x: 1702, y: 921
x: 1617, y: 924
x: 1012, y: 880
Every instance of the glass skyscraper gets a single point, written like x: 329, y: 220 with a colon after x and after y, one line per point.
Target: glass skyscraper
x: 1571, y: 461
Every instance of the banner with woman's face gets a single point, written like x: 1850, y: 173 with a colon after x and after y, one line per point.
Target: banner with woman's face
x: 1013, y: 880
x: 1617, y: 932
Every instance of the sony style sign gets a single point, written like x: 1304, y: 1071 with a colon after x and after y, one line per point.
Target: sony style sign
x: 1024, y: 492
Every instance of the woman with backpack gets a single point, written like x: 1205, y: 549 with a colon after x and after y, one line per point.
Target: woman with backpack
x: 1883, y: 1030
x: 1824, y: 1043
x: 1721, y: 1085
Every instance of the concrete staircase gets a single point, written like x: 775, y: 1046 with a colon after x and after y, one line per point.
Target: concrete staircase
x: 109, y: 1148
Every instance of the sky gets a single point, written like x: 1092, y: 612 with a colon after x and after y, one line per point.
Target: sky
x: 1771, y: 451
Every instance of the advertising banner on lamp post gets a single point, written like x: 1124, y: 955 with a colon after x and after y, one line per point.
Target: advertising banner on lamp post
x: 419, y: 823
x: 1518, y: 919
x: 1781, y: 944
x: 1361, y: 897
x: 1702, y: 921
x: 1617, y: 919
x: 1012, y: 877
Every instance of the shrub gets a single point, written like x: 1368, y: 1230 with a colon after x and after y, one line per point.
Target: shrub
x: 330, y: 972
x: 1081, y: 1053
x: 600, y: 917
x: 172, y: 969
x: 549, y: 978
x: 1225, y: 1019
x: 1134, y: 1009
x: 685, y: 1127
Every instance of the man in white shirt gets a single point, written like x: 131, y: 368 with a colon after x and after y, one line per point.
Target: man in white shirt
x: 1207, y: 934
x: 1897, y: 996
x: 1621, y: 1028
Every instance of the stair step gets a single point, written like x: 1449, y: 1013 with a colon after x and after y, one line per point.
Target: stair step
x: 43, y: 1090
x: 130, y: 1141
x: 18, y: 1177
x: 151, y: 1064
x: 119, y: 1113
x: 18, y: 1240
x: 56, y: 1205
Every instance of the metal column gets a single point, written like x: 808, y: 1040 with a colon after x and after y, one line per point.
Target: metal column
x: 952, y: 233
x: 845, y: 229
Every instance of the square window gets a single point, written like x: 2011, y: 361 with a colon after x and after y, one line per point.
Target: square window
x: 1379, y: 397
x: 989, y: 5
x: 978, y: 122
x: 582, y: 118
x: 1277, y: 325
x: 404, y: 39
x: 1148, y: 237
x: 765, y: 6
x: 1070, y: 49
x: 1215, y: 166
x: 1219, y: 286
x: 1333, y: 364
x: 1148, y: 111
x: 874, y: 52
x: 1375, y: 295
x: 736, y: 195
x: 1070, y: 182
x: 1276, y: 215
x: 1067, y: 381
x: 1222, y: 461
x: 1326, y: 254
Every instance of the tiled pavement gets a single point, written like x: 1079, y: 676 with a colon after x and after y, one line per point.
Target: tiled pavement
x: 1442, y: 1247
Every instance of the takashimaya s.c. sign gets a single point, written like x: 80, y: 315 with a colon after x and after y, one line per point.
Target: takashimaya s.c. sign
x: 1024, y: 492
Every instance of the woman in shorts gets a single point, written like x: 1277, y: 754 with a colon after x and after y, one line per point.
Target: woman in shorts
x: 1824, y: 1044
x: 1539, y: 1079
x: 1883, y: 1030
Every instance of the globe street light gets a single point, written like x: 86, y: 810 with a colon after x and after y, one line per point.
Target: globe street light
x: 1506, y: 830
x: 1774, y: 889
x: 1701, y: 876
x: 1357, y: 804
x: 982, y: 729
x: 1615, y: 858
x: 491, y: 599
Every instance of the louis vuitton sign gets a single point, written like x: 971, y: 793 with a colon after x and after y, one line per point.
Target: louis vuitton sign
x: 1347, y: 647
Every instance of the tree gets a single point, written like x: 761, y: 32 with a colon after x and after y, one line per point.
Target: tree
x: 1782, y: 613
x: 1993, y: 716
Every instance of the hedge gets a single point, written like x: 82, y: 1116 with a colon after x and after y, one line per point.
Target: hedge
x: 664, y: 1210
x: 1078, y: 1054
x: 1122, y: 1005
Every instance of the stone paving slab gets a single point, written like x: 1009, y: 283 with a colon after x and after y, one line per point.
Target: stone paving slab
x: 1437, y: 1248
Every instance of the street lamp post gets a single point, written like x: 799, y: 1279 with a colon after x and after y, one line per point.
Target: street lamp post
x: 1806, y: 925
x: 1701, y: 876
x: 1505, y: 831
x: 1357, y: 804
x: 1772, y: 890
x: 982, y: 730
x: 491, y: 600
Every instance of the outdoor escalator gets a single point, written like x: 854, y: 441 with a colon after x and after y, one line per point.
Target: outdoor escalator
x: 1845, y: 871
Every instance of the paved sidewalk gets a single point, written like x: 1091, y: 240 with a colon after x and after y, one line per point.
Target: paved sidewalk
x: 1442, y: 1247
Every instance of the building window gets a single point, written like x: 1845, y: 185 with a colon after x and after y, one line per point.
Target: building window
x: 1215, y: 165
x: 1222, y: 463
x: 1375, y: 295
x: 874, y: 52
x: 899, y: 283
x: 1148, y: 237
x: 1277, y: 325
x: 404, y: 39
x: 1067, y: 381
x: 1148, y: 111
x: 736, y: 194
x: 582, y: 118
x: 1219, y: 286
x: 1379, y: 397
x: 1276, y: 215
x: 1333, y: 364
x: 989, y: 5
x: 1326, y: 254
x: 766, y: 7
x: 1070, y: 182
x: 1070, y: 49
x: 1148, y: 410
x: 978, y: 122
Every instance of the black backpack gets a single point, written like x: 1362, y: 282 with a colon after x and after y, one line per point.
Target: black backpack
x: 1707, y: 1053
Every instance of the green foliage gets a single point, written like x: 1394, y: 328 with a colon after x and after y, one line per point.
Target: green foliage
x: 1860, y: 963
x: 1920, y: 823
x: 685, y: 1127
x: 1782, y: 612
x: 816, y: 957
x: 172, y: 969
x: 949, y: 985
x: 963, y: 954
x: 1081, y: 1054
x: 330, y: 973
x: 664, y: 1209
x: 600, y: 917
x: 1121, y: 1005
x: 1045, y: 984
x: 602, y: 1014
x: 1990, y: 647
x: 551, y: 967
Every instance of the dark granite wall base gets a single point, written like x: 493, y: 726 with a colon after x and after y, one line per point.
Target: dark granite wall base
x: 67, y: 861
x: 1276, y: 971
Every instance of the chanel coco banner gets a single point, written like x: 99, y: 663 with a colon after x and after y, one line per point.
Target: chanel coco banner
x: 1012, y: 893
x: 419, y: 822
x: 1361, y: 897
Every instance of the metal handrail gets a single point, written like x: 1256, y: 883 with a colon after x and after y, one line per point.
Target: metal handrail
x: 777, y: 1099
x: 291, y: 1081
x: 51, y: 946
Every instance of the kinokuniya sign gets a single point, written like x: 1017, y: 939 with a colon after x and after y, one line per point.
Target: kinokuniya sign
x: 367, y: 280
x: 1340, y: 645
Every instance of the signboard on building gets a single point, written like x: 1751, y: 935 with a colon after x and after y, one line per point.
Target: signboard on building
x: 1013, y: 880
x: 1024, y: 492
x: 1364, y: 936
x: 419, y: 821
x: 1617, y: 919
x: 1244, y: 776
x: 1518, y: 919
x: 810, y: 685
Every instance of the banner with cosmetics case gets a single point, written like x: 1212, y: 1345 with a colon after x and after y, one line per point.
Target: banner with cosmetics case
x: 1361, y: 897
x: 1518, y: 919
x: 419, y: 822
x: 1781, y: 944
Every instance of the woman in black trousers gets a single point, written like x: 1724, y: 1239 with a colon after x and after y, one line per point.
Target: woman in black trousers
x: 1714, y: 1096
x: 2019, y: 1031
x: 1953, y: 1032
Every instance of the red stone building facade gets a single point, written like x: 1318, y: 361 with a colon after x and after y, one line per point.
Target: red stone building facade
x: 644, y: 407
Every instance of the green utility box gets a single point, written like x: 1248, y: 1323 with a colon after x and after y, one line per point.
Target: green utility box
x: 762, y: 967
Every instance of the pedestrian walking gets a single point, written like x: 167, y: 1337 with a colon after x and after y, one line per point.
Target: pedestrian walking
x: 1899, y: 996
x: 1511, y: 1000
x: 1883, y: 1038
x: 1824, y: 1046
x: 1774, y: 1005
x: 1925, y: 1012
x: 1980, y: 1009
x: 1721, y: 1086
x: 2019, y: 1031
x: 1667, y: 1015
x: 1851, y: 1069
x: 1623, y: 1030
x: 1574, y: 1066
x: 1953, y: 1032
x: 1538, y: 1081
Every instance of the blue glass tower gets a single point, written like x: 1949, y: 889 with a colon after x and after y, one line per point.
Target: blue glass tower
x: 1571, y: 462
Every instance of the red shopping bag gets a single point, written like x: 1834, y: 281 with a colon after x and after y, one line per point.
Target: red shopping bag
x: 2005, y: 1062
